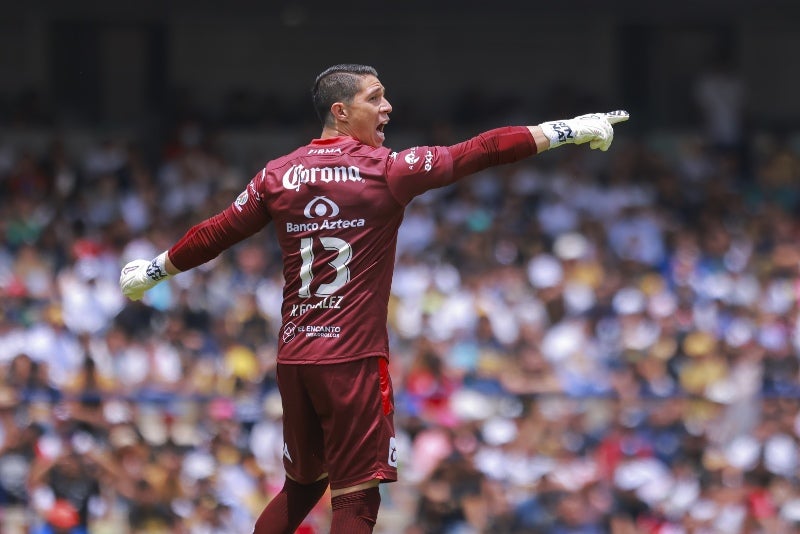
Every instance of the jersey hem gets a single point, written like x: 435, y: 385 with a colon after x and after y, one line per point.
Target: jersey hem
x: 330, y: 361
x: 383, y: 476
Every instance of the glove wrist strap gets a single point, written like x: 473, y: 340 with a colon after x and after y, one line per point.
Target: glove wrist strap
x: 559, y: 132
x: 157, y: 270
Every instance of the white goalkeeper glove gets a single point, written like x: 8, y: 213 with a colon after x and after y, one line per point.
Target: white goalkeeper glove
x: 594, y: 128
x: 140, y: 275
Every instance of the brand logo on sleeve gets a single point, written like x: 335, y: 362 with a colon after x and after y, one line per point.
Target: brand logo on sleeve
x: 241, y: 200
x: 411, y: 158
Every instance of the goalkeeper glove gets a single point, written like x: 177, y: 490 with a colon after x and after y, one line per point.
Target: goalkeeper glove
x: 594, y: 128
x: 140, y: 275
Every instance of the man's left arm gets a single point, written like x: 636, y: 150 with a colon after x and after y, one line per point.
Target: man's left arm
x: 511, y: 144
x: 419, y: 169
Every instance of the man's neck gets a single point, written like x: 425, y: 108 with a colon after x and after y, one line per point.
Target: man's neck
x: 331, y: 131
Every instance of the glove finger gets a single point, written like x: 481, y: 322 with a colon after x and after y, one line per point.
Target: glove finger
x: 133, y: 294
x: 619, y: 115
x: 603, y: 143
x: 594, y: 144
x: 128, y: 290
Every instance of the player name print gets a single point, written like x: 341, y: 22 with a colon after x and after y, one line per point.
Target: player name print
x: 297, y: 175
x: 327, y: 303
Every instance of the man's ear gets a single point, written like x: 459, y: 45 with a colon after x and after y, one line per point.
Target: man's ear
x: 339, y: 111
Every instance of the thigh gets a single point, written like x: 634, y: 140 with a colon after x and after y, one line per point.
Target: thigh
x: 303, y: 440
x: 355, y: 405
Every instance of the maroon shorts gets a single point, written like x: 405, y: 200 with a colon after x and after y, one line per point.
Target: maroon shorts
x: 338, y: 419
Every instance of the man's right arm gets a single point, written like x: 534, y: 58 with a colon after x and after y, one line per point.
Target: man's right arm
x: 203, y: 242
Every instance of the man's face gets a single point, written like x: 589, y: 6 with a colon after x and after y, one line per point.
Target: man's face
x: 368, y: 113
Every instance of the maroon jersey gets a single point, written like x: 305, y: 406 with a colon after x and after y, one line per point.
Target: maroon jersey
x: 337, y: 205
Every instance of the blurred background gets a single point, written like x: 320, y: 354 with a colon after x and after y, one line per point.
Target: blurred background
x: 581, y: 343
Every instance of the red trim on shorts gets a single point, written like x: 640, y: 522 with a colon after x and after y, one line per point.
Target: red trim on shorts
x: 386, y: 386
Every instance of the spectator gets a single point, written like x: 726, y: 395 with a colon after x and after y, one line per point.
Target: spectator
x: 499, y: 322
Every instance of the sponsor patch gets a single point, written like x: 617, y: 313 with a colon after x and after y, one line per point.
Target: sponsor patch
x: 321, y: 206
x: 392, y: 452
x: 241, y: 200
x: 411, y: 158
x: 289, y: 331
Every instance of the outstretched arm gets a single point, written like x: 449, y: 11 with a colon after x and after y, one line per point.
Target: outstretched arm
x: 203, y: 242
x: 510, y: 144
x: 409, y: 174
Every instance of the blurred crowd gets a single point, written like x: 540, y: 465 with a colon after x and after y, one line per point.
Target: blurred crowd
x: 582, y: 343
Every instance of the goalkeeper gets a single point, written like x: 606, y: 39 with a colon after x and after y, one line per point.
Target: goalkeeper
x: 337, y: 204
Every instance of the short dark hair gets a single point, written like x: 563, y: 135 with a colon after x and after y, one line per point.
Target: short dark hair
x: 338, y: 83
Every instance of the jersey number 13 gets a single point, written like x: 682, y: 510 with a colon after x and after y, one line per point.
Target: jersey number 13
x: 344, y: 252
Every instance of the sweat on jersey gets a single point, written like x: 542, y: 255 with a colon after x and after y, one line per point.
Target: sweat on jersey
x: 337, y: 205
